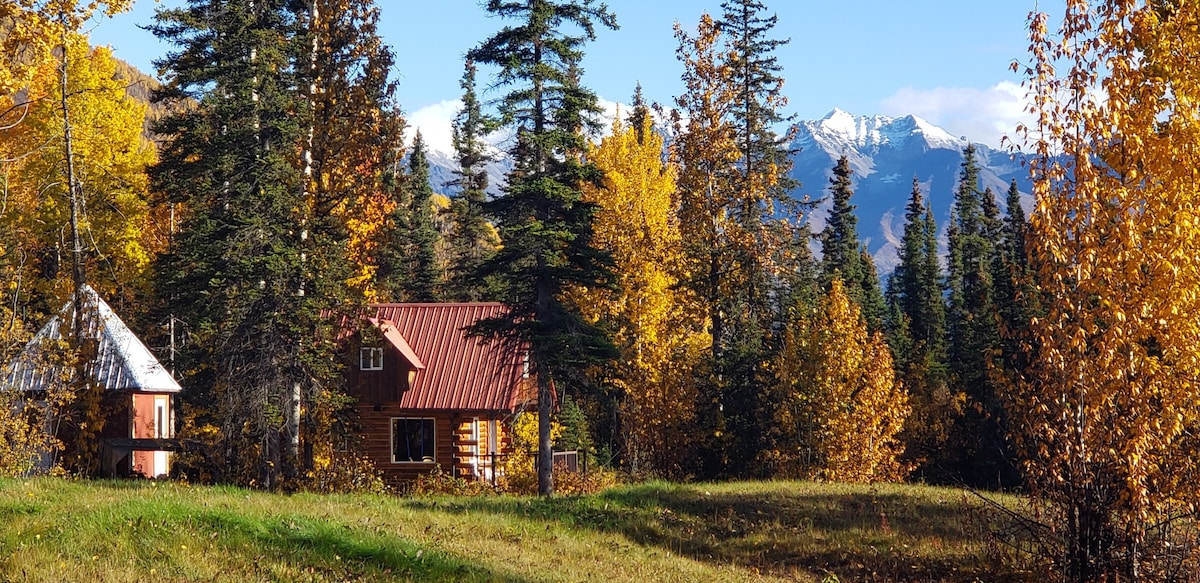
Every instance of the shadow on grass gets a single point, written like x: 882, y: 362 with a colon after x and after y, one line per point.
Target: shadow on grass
x: 337, y: 548
x: 274, y: 546
x: 859, y: 534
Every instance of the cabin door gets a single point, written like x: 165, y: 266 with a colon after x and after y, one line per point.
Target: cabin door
x: 162, y: 430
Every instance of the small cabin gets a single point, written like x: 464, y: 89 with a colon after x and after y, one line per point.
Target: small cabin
x: 430, y: 395
x: 138, y: 393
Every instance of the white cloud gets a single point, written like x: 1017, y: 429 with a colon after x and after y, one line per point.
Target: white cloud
x: 434, y: 121
x: 981, y: 115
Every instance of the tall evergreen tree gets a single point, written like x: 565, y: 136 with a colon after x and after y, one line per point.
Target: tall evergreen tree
x: 703, y: 152
x: 843, y: 255
x: 639, y: 114
x: 544, y: 222
x: 761, y: 191
x: 916, y: 283
x: 472, y: 238
x: 1014, y: 296
x: 257, y: 263
x: 395, y: 251
x: 839, y: 240
x: 916, y: 295
x: 424, y: 278
x: 873, y: 305
x: 1017, y: 299
x: 973, y: 330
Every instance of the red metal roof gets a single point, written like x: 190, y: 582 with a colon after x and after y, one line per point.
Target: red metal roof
x: 461, y: 372
x: 397, y: 340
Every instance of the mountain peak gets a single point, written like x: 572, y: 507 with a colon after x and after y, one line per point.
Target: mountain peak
x: 840, y: 132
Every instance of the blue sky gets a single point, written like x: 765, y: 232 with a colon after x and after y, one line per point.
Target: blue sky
x: 944, y: 60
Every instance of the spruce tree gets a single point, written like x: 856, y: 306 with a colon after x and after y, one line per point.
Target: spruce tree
x: 544, y: 222
x: 395, y: 249
x: 839, y: 240
x: 917, y: 279
x: 472, y: 238
x: 639, y: 114
x: 748, y: 337
x: 424, y: 278
x: 918, y: 337
x: 872, y: 304
x: 843, y: 255
x: 1015, y: 299
x: 973, y: 330
x: 237, y: 275
x: 707, y: 196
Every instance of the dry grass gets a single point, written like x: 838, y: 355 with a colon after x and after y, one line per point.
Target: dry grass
x: 58, y: 530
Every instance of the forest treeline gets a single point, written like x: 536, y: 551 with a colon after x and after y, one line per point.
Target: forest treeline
x: 663, y: 275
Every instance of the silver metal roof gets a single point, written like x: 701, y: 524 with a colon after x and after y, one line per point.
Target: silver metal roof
x: 122, y: 362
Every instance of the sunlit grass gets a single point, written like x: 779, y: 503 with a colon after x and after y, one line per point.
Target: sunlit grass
x: 58, y: 530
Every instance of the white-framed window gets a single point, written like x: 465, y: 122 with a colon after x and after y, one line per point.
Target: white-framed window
x: 413, y: 440
x: 370, y: 358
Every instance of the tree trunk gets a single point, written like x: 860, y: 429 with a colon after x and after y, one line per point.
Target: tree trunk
x: 545, y: 459
x: 78, y: 271
x: 89, y: 418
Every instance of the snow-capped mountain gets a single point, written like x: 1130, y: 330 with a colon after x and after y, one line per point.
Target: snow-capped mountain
x: 885, y: 154
x: 443, y: 164
x: 841, y: 131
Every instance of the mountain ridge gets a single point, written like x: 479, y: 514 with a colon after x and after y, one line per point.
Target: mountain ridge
x: 885, y: 153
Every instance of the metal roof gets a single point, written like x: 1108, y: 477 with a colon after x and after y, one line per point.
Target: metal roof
x: 122, y: 362
x: 396, y: 339
x: 461, y: 372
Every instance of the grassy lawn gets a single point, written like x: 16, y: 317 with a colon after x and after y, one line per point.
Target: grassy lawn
x: 61, y: 530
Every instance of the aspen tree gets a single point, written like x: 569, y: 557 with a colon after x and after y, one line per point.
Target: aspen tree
x: 1108, y: 409
x: 650, y: 319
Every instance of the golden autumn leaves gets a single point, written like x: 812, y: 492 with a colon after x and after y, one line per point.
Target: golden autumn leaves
x: 841, y: 396
x: 659, y: 336
x: 112, y: 156
x: 1111, y: 402
x: 837, y: 407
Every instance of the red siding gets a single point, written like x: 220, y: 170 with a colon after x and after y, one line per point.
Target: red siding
x: 144, y: 425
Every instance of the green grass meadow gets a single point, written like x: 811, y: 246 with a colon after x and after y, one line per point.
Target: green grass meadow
x: 64, y: 530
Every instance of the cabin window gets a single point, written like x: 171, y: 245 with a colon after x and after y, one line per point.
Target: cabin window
x: 413, y: 440
x: 370, y: 358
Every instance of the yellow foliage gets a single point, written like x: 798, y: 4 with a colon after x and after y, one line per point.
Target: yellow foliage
x: 111, y: 157
x: 32, y: 28
x: 520, y: 474
x: 1111, y: 401
x: 363, y: 229
x: 657, y: 334
x: 842, y: 407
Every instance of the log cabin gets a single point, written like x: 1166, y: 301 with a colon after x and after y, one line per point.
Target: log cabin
x: 431, y: 396
x: 138, y: 393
